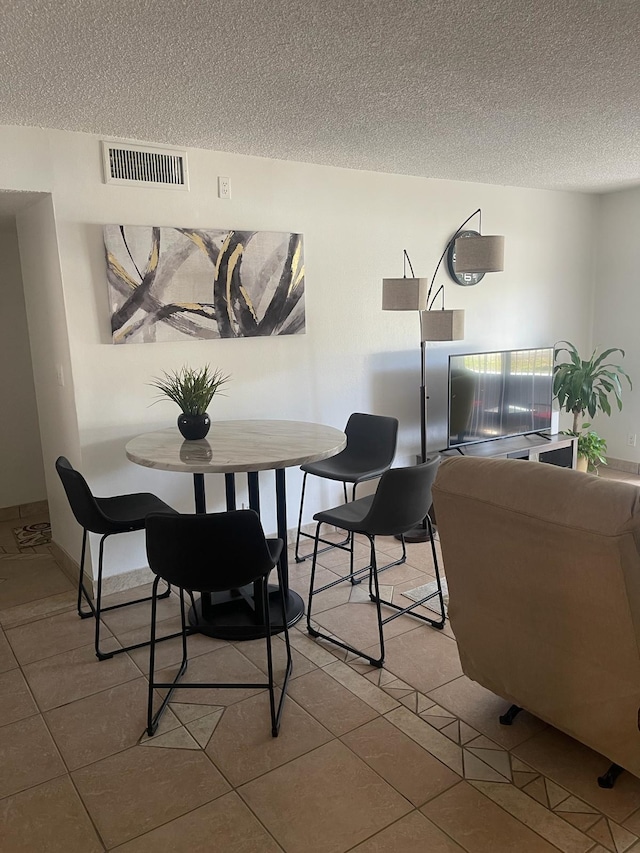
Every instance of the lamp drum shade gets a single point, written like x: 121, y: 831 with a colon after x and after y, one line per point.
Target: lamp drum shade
x: 442, y: 325
x: 404, y: 294
x: 479, y: 254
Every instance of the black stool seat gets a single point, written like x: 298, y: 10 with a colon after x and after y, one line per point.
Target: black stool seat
x: 105, y: 517
x: 347, y: 468
x: 124, y: 513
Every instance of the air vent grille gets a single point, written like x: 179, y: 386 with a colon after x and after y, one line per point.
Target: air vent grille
x: 136, y: 165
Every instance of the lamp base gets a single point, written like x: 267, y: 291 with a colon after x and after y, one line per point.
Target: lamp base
x: 417, y: 534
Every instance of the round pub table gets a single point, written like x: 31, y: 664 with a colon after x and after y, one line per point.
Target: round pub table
x: 230, y: 448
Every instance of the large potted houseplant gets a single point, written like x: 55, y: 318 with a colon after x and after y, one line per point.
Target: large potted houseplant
x: 192, y: 389
x: 587, y: 386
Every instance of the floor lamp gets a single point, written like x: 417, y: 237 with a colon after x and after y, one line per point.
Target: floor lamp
x: 481, y: 255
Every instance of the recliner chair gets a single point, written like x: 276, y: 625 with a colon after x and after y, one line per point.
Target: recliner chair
x: 543, y: 569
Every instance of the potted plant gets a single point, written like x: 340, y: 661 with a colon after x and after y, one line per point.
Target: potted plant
x: 586, y: 386
x: 192, y: 389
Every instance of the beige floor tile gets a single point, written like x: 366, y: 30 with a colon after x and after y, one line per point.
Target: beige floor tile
x: 361, y: 687
x: 333, y: 597
x: 330, y: 703
x: 419, y: 555
x: 179, y: 738
x: 16, y: 701
x: 203, y: 728
x: 242, y: 747
x: 7, y: 658
x: 51, y: 636
x: 611, y: 835
x: 188, y: 713
x: 99, y: 725
x: 300, y: 576
x: 29, y: 578
x: 405, y: 573
x: 326, y: 801
x: 401, y: 762
x: 22, y: 614
x: 28, y: 756
x: 481, y: 709
x: 134, y: 616
x: 168, y: 652
x: 632, y: 822
x: 357, y: 624
x: 537, y: 817
x: 225, y: 665
x: 135, y: 791
x: 480, y: 825
x: 225, y: 824
x: 256, y: 652
x: 441, y: 747
x: 423, y: 657
x: 49, y: 817
x: 76, y: 674
x: 576, y: 768
x: 7, y: 539
x: 411, y: 834
x: 311, y: 648
x: 338, y: 560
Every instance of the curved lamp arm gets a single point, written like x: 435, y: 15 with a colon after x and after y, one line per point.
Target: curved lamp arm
x: 446, y: 249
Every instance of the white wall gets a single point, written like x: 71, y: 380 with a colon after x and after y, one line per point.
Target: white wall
x: 617, y: 311
x: 353, y: 356
x: 22, y: 479
x: 49, y: 341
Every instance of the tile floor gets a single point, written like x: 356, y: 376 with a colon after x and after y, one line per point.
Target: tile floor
x: 406, y: 759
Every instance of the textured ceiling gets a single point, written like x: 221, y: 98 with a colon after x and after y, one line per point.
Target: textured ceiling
x: 537, y: 93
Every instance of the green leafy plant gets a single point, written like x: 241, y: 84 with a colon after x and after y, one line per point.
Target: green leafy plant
x: 582, y: 386
x: 585, y: 386
x: 192, y: 389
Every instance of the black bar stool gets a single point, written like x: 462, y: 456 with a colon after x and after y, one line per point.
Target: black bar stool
x: 371, y: 446
x: 106, y: 517
x: 208, y: 554
x: 402, y: 500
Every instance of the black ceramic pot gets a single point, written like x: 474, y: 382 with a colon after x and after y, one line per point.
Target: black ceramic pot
x: 194, y: 427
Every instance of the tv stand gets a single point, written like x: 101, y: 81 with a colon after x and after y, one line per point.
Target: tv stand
x: 555, y: 448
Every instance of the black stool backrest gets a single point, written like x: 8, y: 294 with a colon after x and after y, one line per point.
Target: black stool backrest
x: 402, y: 499
x: 83, y: 505
x: 208, y: 553
x: 371, y: 439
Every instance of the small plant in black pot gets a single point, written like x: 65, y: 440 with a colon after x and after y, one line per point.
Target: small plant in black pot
x: 192, y: 389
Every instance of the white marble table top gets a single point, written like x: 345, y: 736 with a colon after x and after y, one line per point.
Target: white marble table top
x: 237, y: 446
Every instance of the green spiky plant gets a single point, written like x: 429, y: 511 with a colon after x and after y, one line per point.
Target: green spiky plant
x: 587, y: 386
x: 192, y: 389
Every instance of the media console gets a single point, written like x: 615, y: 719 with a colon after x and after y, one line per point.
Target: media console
x: 556, y: 448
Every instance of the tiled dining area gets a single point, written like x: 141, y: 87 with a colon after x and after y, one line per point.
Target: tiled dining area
x: 406, y: 759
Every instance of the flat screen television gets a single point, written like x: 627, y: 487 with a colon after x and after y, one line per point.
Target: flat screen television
x: 499, y: 394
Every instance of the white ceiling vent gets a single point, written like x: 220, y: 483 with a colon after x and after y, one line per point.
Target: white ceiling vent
x: 145, y: 166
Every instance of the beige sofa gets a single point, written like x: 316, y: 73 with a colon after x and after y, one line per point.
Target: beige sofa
x: 543, y: 568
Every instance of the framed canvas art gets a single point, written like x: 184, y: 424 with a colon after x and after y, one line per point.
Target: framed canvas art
x: 175, y: 284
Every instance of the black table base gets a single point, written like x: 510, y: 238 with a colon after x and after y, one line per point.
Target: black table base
x: 231, y: 615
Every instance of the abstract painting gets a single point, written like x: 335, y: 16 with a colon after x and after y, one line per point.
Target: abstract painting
x: 176, y: 284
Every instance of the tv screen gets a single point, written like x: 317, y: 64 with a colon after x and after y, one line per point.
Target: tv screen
x: 499, y: 394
